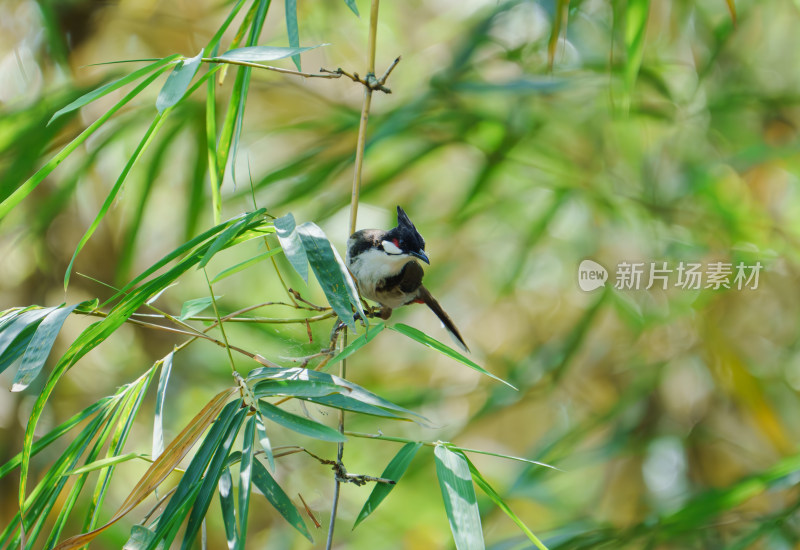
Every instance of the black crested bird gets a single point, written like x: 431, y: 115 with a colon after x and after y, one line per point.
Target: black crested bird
x: 384, y: 266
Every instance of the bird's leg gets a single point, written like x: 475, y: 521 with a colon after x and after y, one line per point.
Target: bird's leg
x: 382, y: 312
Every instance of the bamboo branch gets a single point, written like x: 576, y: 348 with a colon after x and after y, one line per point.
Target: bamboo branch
x: 372, y: 83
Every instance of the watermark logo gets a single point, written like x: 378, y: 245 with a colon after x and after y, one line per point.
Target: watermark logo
x: 591, y: 275
x: 662, y: 275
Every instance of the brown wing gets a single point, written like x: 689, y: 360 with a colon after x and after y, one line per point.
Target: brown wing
x: 407, y: 282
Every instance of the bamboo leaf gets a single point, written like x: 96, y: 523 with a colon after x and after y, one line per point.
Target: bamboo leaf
x: 636, y: 16
x: 234, y: 117
x: 481, y: 482
x: 324, y: 381
x: 160, y: 469
x: 258, y: 54
x: 225, y: 486
x: 91, y: 337
x: 141, y: 537
x: 394, y: 471
x: 295, y: 388
x: 352, y: 5
x: 38, y: 349
x: 278, y: 498
x: 178, y: 82
x: 508, y: 457
x: 299, y: 424
x: 57, y: 432
x: 190, y: 308
x: 422, y: 338
x: 111, y: 86
x: 460, y: 501
x: 106, y: 462
x: 292, y: 30
x: 263, y: 440
x: 328, y: 269
x: 245, y: 478
x: 560, y: 19
x: 210, y: 480
x: 362, y: 340
x: 346, y: 403
x: 244, y: 265
x: 16, y: 333
x: 158, y: 417
x: 292, y: 245
x: 31, y: 183
x: 145, y: 141
x: 228, y: 235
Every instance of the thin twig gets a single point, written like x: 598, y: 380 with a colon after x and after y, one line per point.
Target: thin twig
x: 219, y: 321
x: 264, y: 320
x: 223, y: 60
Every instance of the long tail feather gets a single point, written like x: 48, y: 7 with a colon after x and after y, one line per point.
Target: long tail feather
x: 425, y: 297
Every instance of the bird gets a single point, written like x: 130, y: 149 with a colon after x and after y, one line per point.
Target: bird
x: 385, y: 267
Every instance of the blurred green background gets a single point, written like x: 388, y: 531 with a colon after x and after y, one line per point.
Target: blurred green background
x: 672, y: 413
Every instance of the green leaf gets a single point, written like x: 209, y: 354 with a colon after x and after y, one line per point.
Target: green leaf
x: 299, y: 424
x: 111, y: 86
x: 106, y: 462
x: 244, y: 265
x: 257, y: 54
x: 292, y: 245
x: 145, y: 141
x: 298, y: 376
x: 371, y: 332
x: 345, y: 403
x: 278, y: 498
x: 57, y: 432
x: 636, y: 15
x: 178, y: 82
x: 192, y: 479
x: 158, y: 417
x: 352, y: 5
x: 263, y: 440
x: 296, y: 388
x: 130, y: 299
x: 225, y: 487
x: 508, y: 457
x: 127, y: 415
x: 329, y: 272
x: 17, y: 331
x: 221, y: 30
x: 292, y: 30
x: 141, y: 537
x: 14, y: 323
x: 459, y: 498
x: 426, y: 340
x: 227, y: 236
x: 211, y: 478
x: 498, y: 500
x: 31, y: 183
x: 394, y: 471
x: 245, y: 477
x: 191, y: 308
x: 38, y: 349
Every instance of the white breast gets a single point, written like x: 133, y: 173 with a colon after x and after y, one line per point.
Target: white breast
x: 373, y: 266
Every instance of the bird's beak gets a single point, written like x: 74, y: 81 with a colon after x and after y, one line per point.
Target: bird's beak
x: 421, y: 255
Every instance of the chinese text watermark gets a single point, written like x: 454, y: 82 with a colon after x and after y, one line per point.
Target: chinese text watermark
x: 663, y: 275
